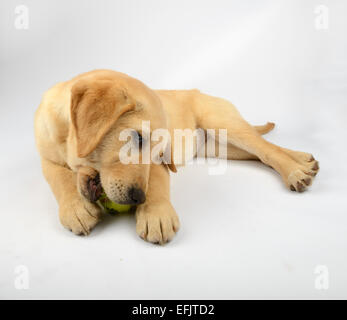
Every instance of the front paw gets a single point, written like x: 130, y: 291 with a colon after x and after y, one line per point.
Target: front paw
x: 157, y: 223
x: 79, y: 216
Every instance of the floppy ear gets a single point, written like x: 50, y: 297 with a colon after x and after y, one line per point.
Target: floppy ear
x: 171, y: 164
x: 95, y: 107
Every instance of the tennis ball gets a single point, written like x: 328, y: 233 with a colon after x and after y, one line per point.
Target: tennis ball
x: 112, y: 207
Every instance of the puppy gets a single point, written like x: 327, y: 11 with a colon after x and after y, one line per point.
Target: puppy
x: 78, y: 126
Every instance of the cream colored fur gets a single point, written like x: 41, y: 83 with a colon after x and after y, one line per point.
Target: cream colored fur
x: 77, y: 126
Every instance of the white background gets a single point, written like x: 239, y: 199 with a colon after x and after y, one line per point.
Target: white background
x: 243, y: 234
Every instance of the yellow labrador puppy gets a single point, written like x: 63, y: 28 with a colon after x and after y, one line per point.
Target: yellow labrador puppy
x: 78, y: 126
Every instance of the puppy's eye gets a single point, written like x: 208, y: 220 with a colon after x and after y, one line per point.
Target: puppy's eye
x: 138, y: 139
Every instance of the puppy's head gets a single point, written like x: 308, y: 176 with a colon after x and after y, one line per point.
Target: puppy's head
x: 101, y: 111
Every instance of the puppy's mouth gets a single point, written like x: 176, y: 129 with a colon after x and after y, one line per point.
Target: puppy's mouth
x: 134, y: 195
x: 94, y: 188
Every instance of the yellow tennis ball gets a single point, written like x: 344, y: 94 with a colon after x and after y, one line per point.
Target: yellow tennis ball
x: 111, y: 207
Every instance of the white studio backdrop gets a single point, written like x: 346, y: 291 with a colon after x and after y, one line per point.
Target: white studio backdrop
x: 243, y: 234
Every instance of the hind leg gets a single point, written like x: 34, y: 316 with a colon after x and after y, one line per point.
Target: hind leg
x: 235, y: 153
x: 296, y: 169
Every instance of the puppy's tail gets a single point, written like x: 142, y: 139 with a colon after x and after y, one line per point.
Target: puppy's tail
x: 265, y: 128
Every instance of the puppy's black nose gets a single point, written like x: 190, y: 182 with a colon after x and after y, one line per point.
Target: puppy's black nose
x: 136, y: 196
